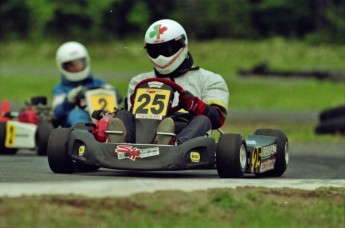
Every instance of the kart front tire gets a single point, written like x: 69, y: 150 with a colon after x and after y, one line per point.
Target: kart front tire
x: 58, y: 158
x: 42, y: 136
x: 231, y: 156
x: 282, y: 156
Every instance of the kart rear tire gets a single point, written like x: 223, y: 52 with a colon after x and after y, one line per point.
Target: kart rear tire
x: 58, y: 158
x: 42, y: 136
x: 4, y: 150
x: 282, y: 158
x: 231, y: 156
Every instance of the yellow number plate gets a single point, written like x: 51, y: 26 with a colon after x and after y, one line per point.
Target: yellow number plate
x: 101, y: 99
x: 104, y: 102
x: 10, y: 135
x: 151, y: 101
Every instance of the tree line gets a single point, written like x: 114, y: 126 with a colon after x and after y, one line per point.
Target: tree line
x: 316, y: 21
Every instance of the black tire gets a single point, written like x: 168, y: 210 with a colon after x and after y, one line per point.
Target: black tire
x: 231, y: 156
x: 58, y: 158
x: 282, y: 157
x: 42, y: 136
x: 4, y: 150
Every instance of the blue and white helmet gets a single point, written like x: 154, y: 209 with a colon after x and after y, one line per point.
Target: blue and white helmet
x: 166, y: 44
x: 71, y: 51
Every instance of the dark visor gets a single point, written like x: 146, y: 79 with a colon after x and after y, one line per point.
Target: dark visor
x: 66, y: 65
x: 166, y: 49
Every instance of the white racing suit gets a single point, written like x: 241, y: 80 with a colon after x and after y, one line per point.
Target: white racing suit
x: 211, y: 88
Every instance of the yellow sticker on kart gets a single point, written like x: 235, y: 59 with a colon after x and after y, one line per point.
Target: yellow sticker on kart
x: 81, y: 150
x: 256, y: 160
x: 10, y: 139
x: 151, y: 101
x: 194, y: 156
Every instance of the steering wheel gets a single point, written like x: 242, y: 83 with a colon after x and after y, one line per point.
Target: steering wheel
x: 176, y: 88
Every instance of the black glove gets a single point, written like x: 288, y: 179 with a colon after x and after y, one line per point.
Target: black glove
x: 73, y: 93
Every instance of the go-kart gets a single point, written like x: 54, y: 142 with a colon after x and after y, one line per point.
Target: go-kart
x: 265, y: 153
x: 331, y: 121
x: 27, y: 129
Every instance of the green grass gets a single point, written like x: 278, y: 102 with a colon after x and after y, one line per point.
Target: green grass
x: 242, y: 207
x: 29, y: 69
x: 296, y: 132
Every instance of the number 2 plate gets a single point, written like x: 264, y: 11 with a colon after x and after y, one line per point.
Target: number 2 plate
x: 101, y: 99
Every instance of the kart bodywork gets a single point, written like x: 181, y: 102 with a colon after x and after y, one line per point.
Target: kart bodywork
x: 27, y: 129
x: 265, y: 153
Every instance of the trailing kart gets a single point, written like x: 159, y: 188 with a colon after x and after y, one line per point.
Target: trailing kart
x: 27, y: 129
x: 79, y: 148
x: 331, y: 121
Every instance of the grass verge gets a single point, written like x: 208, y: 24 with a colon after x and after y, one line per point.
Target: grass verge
x: 241, y: 207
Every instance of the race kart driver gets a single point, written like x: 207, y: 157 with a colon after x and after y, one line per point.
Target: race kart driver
x: 205, y: 105
x: 73, y: 62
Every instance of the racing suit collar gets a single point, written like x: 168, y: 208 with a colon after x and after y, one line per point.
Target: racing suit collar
x: 69, y: 83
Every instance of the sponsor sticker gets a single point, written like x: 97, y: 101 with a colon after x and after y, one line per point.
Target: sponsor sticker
x: 267, y: 151
x: 261, y: 155
x: 155, y: 84
x: 148, y: 116
x: 130, y: 152
x: 81, y: 150
x: 267, y: 165
x: 194, y: 156
x: 256, y: 160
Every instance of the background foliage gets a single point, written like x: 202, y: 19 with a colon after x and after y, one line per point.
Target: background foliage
x: 316, y: 21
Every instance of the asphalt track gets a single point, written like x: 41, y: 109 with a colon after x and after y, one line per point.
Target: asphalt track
x: 311, y: 165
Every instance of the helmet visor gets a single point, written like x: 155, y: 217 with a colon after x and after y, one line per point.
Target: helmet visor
x: 74, y: 65
x: 166, y: 49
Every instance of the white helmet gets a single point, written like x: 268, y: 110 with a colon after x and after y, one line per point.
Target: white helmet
x: 166, y: 44
x: 71, y: 51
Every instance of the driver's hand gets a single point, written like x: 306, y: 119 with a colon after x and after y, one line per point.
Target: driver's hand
x: 192, y: 104
x: 73, y: 93
x: 107, y: 86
